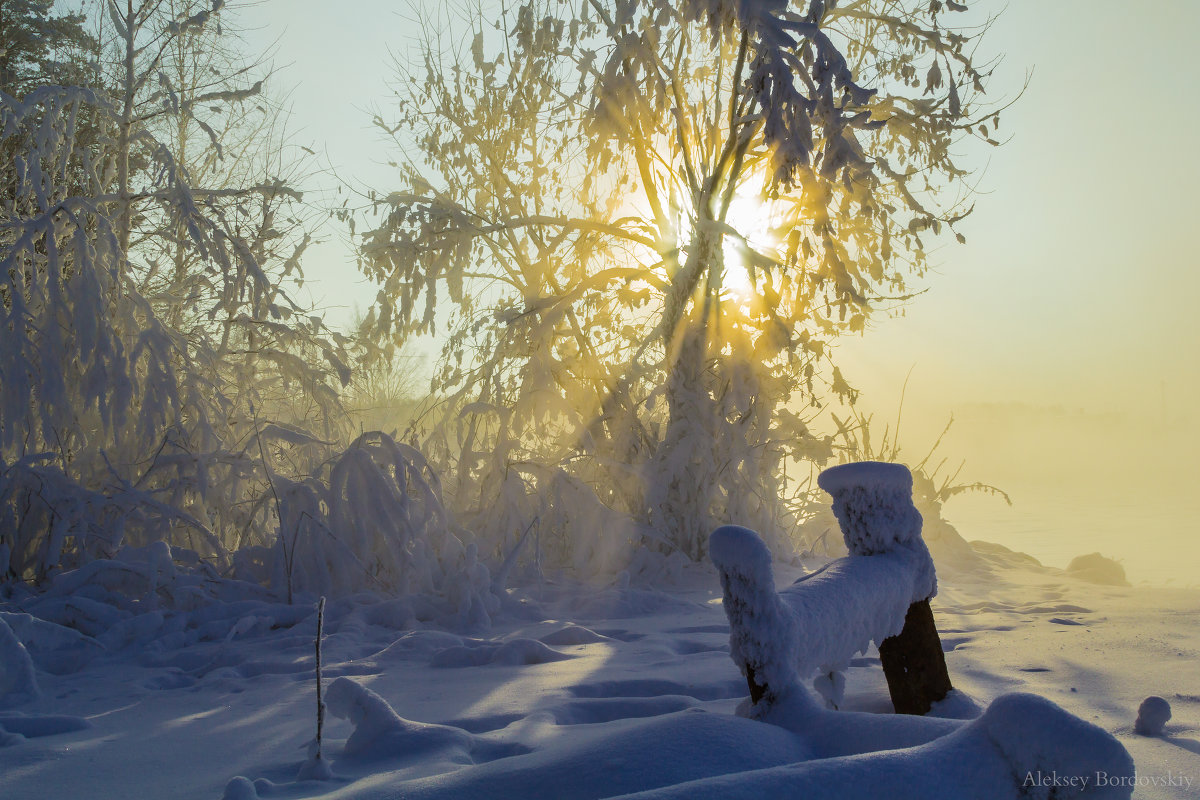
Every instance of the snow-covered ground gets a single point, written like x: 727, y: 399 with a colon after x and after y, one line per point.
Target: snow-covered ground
x: 573, y: 692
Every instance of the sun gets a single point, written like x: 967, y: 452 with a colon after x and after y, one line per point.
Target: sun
x: 756, y: 221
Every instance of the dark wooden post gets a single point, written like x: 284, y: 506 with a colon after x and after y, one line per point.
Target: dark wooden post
x: 914, y: 664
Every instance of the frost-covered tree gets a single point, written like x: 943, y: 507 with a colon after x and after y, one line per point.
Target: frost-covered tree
x: 154, y: 372
x: 651, y: 219
x: 39, y: 46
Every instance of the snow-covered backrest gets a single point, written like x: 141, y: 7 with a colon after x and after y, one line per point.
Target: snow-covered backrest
x: 872, y: 501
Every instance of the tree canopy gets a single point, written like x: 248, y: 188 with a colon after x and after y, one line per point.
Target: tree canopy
x: 645, y: 222
x: 40, y: 46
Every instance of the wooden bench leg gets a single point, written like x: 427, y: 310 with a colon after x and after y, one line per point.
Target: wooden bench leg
x: 756, y: 691
x: 914, y: 664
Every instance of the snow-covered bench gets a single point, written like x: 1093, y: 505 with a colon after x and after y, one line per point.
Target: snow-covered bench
x: 878, y: 594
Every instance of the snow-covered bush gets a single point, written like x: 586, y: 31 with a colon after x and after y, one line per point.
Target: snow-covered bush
x: 374, y: 519
x: 145, y: 324
x: 861, y: 439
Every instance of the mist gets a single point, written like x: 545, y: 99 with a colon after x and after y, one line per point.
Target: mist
x: 598, y: 398
x: 1120, y: 482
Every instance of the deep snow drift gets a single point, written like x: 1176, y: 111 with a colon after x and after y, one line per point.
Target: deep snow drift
x: 579, y: 692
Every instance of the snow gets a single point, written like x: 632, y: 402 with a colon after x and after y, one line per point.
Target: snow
x: 18, y: 684
x: 1018, y: 736
x: 819, y: 623
x: 379, y: 732
x: 872, y: 501
x: 883, y: 475
x: 825, y: 618
x: 647, y: 702
x: 513, y: 653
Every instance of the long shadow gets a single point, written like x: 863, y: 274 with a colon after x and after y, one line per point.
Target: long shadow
x: 1191, y: 745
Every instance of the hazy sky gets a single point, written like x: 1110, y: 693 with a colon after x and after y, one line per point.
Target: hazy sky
x: 1077, y: 286
x: 1079, y: 278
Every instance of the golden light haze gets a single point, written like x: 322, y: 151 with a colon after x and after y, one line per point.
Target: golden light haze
x: 1062, y: 336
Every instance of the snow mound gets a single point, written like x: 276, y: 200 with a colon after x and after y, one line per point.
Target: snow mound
x: 1095, y: 568
x: 240, y: 788
x: 589, y: 711
x: 18, y: 683
x: 626, y: 756
x: 35, y: 726
x: 1015, y: 751
x: 514, y: 653
x: 379, y: 732
x: 573, y: 634
x: 417, y: 643
x: 54, y: 648
x: 1037, y: 737
x: 834, y: 734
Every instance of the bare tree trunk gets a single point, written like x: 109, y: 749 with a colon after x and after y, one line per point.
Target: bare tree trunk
x: 124, y: 136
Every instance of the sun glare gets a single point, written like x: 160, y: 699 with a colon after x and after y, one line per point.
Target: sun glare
x: 756, y: 222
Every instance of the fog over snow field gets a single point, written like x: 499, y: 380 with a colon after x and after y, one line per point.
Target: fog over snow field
x: 424, y: 512
x: 574, y: 691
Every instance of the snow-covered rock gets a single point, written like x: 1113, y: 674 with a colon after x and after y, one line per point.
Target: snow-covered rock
x: 1152, y: 716
x: 1095, y: 568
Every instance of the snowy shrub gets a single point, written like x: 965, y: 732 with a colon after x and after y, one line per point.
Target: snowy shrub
x: 148, y: 343
x: 375, y: 520
x: 49, y: 522
x: 860, y: 439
